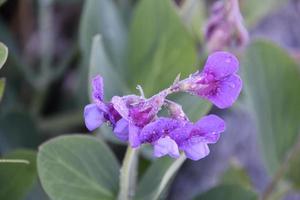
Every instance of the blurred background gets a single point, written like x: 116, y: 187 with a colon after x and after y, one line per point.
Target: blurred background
x: 53, y: 54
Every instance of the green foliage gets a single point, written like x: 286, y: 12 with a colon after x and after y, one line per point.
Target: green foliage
x: 232, y: 192
x: 17, y: 179
x: 254, y: 10
x: 103, y: 17
x: 193, y: 13
x: 78, y: 167
x: 157, y: 178
x: 3, y: 54
x: 2, y: 85
x: 271, y: 82
x: 159, y: 46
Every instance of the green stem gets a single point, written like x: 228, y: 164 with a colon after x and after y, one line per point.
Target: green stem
x: 128, y: 174
x: 14, y: 161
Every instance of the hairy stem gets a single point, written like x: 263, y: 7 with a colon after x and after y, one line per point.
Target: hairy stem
x: 128, y: 174
x: 14, y: 161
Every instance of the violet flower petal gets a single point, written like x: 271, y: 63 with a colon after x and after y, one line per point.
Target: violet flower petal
x: 164, y: 146
x: 97, y: 88
x: 221, y: 64
x: 120, y: 106
x: 134, y: 136
x: 160, y: 127
x: 210, y: 128
x: 93, y: 117
x: 121, y: 130
x: 196, y: 151
x: 227, y: 92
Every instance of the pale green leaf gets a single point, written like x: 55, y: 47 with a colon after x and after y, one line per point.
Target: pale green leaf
x: 17, y: 179
x: 3, y: 54
x: 159, y: 46
x: 78, y: 167
x: 272, y: 84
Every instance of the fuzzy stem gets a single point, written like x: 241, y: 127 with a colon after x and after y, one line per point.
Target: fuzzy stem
x: 128, y: 174
x: 15, y: 161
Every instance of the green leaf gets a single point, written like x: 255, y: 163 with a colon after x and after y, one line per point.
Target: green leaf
x: 17, y: 179
x: 78, y: 167
x: 101, y: 64
x: 102, y: 17
x: 193, y: 14
x: 159, y: 46
x: 232, y: 192
x: 2, y: 86
x: 3, y: 54
x: 271, y: 83
x: 154, y: 183
x: 254, y: 10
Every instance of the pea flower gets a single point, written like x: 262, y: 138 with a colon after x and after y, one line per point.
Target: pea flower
x: 137, y: 112
x: 135, y: 119
x: 218, y: 82
x: 168, y: 136
x: 97, y: 113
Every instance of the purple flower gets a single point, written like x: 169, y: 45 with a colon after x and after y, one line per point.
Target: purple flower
x: 218, y: 82
x: 193, y: 138
x: 137, y: 112
x: 97, y: 113
x: 170, y: 135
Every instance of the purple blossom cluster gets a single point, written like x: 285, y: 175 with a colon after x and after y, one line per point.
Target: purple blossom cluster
x: 135, y: 118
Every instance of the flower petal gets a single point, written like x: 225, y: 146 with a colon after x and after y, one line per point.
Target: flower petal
x: 121, y: 130
x: 221, y: 64
x: 93, y: 117
x: 120, y: 106
x: 196, y: 151
x: 210, y: 128
x: 134, y: 136
x: 227, y: 92
x: 160, y: 127
x: 164, y: 146
x: 97, y: 91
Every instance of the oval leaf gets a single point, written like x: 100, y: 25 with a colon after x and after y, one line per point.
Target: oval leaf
x: 3, y: 54
x: 17, y: 179
x: 159, y: 46
x: 272, y: 84
x: 78, y: 167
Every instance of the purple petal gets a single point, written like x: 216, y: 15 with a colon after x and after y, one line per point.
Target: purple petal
x: 160, y: 127
x: 97, y: 85
x: 210, y: 128
x: 93, y: 117
x: 196, y: 151
x: 226, y: 92
x: 134, y: 136
x: 121, y: 130
x: 120, y: 106
x: 165, y: 146
x: 221, y: 64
